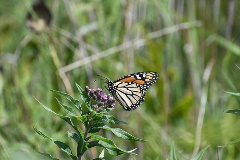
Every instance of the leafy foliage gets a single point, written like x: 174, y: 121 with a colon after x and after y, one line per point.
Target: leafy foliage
x: 93, y: 121
x: 200, y: 154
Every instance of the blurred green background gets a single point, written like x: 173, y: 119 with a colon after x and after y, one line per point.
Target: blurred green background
x: 192, y: 44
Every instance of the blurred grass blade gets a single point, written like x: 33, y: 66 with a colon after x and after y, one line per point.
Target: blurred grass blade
x: 233, y: 93
x: 231, y: 143
x: 172, y: 153
x: 122, y: 134
x: 234, y: 111
x: 73, y: 101
x: 200, y: 154
x: 109, y: 146
x: 63, y: 146
x: 228, y: 44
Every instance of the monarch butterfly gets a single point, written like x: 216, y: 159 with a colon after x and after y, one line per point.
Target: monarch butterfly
x: 130, y: 90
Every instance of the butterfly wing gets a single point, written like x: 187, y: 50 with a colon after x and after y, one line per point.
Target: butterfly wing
x: 130, y: 90
x: 144, y: 79
x: 129, y: 95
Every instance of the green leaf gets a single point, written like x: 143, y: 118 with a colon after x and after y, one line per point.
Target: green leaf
x: 231, y: 143
x: 82, y: 143
x: 112, y: 120
x: 234, y: 111
x: 233, y: 93
x: 109, y: 146
x: 93, y: 144
x: 80, y: 131
x: 46, y: 155
x: 67, y: 109
x: 83, y: 119
x: 82, y: 147
x: 73, y: 101
x: 63, y: 146
x: 122, y: 134
x: 71, y: 112
x: 96, y: 127
x: 74, y: 136
x: 200, y: 154
x: 172, y: 153
x: 84, y: 97
x: 65, y: 118
x: 96, y: 117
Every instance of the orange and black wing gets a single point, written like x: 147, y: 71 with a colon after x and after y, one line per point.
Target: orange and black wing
x: 130, y: 90
x: 144, y: 79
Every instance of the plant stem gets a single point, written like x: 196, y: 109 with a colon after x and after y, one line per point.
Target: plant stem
x: 87, y: 128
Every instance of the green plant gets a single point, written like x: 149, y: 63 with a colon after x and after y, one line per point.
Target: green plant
x: 198, y: 156
x: 93, y: 113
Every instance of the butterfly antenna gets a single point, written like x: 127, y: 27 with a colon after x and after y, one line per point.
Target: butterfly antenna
x: 106, y: 79
x: 102, y: 77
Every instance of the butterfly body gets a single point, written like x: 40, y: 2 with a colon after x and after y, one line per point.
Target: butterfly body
x: 130, y: 90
